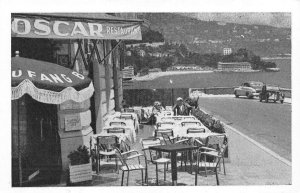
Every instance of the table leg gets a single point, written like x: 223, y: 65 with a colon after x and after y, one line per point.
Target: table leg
x: 191, y: 160
x: 174, y: 168
x: 97, y: 159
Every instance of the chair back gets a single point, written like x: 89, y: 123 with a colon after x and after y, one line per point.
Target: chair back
x: 166, y: 113
x: 167, y: 118
x: 160, y: 124
x: 129, y: 110
x: 159, y: 132
x: 107, y: 142
x: 117, y: 123
x: 195, y: 130
x: 116, y: 130
x: 189, y: 118
x: 167, y: 139
x: 126, y: 116
x: 177, y: 118
x: 190, y: 123
x: 146, y: 143
x: 215, y: 141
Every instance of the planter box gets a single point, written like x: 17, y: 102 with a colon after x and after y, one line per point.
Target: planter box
x: 80, y: 173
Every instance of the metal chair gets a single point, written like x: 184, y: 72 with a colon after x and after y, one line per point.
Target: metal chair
x: 158, y: 133
x: 167, y: 113
x: 169, y: 140
x: 166, y: 118
x: 213, y: 144
x: 129, y: 110
x: 105, y: 147
x: 195, y: 130
x: 126, y: 116
x: 189, y: 118
x: 190, y: 123
x: 153, y: 156
x: 117, y: 123
x: 116, y: 130
x: 162, y: 124
x: 217, y: 154
x: 126, y: 167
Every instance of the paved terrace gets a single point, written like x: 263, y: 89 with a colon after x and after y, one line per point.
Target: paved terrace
x: 248, y: 164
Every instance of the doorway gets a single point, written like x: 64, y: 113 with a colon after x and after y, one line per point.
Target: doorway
x: 43, y: 142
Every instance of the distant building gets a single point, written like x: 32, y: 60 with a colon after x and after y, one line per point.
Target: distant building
x: 227, y: 51
x: 142, y: 53
x: 157, y: 54
x: 128, y: 72
x: 154, y: 70
x: 153, y: 45
x: 234, y: 66
x: 128, y: 53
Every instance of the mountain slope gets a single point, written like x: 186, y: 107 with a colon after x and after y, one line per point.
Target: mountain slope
x: 211, y: 36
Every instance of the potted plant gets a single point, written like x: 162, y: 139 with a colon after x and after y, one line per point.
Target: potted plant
x: 80, y: 168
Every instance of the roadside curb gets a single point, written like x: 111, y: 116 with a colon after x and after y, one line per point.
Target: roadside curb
x: 267, y: 150
x: 262, y: 147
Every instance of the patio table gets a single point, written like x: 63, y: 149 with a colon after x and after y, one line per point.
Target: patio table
x: 129, y: 124
x: 173, y: 149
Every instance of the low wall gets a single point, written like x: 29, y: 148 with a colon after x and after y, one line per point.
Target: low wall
x: 146, y: 97
x: 229, y: 90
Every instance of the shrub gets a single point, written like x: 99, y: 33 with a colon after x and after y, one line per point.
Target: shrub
x: 79, y: 156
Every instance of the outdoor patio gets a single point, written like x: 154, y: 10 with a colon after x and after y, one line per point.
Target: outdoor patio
x: 247, y: 165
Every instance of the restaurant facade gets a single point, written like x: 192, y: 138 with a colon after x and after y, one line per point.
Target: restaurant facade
x: 91, y: 44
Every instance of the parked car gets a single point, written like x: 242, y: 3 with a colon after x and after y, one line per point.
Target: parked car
x: 271, y: 92
x: 249, y: 89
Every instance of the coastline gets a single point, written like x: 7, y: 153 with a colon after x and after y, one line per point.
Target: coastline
x: 155, y: 75
x: 276, y: 58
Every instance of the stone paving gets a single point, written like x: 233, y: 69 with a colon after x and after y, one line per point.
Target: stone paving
x: 247, y: 164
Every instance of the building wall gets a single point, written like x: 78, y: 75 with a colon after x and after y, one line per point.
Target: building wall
x: 234, y: 66
x: 18, y: 108
x: 103, y: 78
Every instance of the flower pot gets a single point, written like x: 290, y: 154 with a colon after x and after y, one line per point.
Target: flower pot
x: 80, y: 173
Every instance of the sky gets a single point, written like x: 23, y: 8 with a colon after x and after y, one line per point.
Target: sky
x: 278, y: 19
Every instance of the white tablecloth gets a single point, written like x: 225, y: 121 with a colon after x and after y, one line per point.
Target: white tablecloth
x: 180, y: 131
x: 129, y: 125
x: 135, y: 121
x: 129, y: 134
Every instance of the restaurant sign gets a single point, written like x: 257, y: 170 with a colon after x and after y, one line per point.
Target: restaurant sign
x: 61, y: 29
x: 72, y: 122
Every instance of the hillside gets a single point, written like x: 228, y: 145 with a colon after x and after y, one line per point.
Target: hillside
x: 211, y: 36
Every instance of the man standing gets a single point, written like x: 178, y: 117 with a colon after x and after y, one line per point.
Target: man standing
x: 181, y: 108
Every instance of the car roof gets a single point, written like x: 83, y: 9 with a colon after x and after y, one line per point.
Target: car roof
x: 254, y: 82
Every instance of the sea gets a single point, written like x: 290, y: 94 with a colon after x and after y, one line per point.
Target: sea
x: 167, y: 88
x: 222, y: 79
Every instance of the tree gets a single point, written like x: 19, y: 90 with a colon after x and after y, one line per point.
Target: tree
x: 183, y: 49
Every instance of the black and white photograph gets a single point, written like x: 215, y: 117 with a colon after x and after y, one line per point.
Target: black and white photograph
x: 144, y: 98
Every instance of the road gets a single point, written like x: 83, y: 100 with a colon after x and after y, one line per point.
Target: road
x: 266, y: 123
